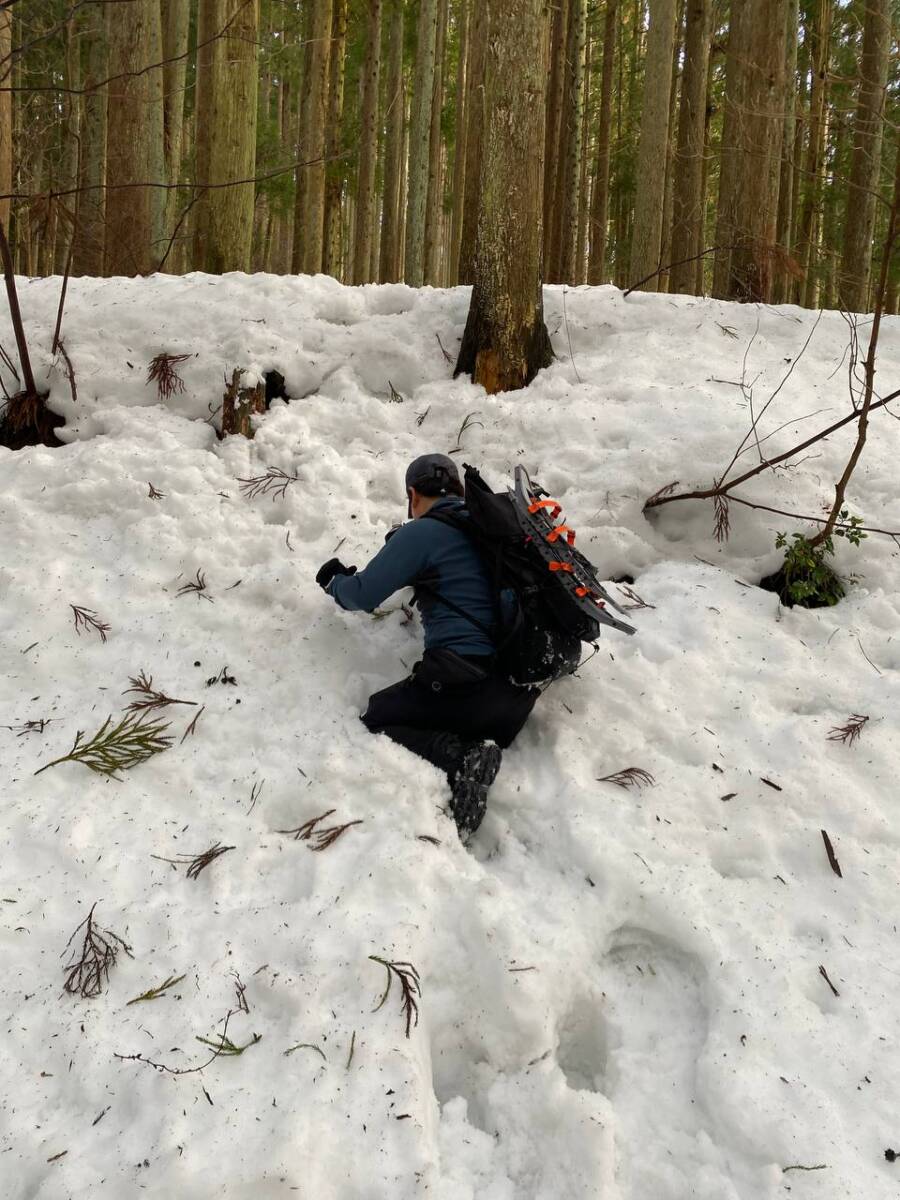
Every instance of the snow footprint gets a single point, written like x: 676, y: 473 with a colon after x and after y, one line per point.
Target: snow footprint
x: 640, y: 1050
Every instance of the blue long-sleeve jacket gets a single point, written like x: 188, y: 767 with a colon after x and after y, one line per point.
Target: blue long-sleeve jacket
x: 429, y: 552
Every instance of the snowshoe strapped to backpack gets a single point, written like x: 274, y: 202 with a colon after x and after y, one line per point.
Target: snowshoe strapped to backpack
x: 547, y: 595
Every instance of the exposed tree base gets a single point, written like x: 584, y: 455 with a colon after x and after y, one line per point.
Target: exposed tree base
x: 502, y: 363
x: 27, y: 421
x: 778, y: 583
x: 240, y: 404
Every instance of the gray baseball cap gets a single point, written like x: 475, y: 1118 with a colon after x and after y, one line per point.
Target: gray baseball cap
x: 435, y: 469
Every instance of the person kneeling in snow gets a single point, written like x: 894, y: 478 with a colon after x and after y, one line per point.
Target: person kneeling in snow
x: 456, y: 710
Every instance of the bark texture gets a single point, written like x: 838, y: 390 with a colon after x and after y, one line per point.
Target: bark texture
x: 434, y: 210
x: 475, y: 115
x: 395, y: 104
x: 506, y: 342
x: 459, y: 149
x: 651, y: 175
x: 90, y: 211
x: 309, y: 211
x: 419, y: 143
x: 748, y: 191
x: 134, y: 138
x: 6, y: 120
x: 819, y: 33
x: 225, y: 217
x: 332, y: 257
x: 856, y: 261
x: 368, y: 147
x: 575, y: 55
x: 175, y: 26
x: 687, y: 200
x: 600, y: 194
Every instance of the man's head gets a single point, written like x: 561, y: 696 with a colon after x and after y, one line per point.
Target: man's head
x: 429, y: 477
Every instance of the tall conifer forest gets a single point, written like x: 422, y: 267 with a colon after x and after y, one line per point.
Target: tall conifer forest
x: 743, y: 149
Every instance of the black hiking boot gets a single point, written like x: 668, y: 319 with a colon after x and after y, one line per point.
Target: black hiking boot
x: 469, y: 785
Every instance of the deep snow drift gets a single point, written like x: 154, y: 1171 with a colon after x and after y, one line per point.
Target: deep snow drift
x: 621, y: 989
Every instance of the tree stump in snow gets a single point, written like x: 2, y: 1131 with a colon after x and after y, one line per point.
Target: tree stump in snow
x: 240, y: 403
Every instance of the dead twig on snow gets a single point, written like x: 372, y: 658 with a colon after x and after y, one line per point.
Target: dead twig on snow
x: 142, y: 685
x: 196, y: 862
x: 85, y: 619
x: 162, y: 372
x: 848, y: 733
x: 832, y: 858
x: 408, y: 978
x: 197, y: 586
x: 274, y: 482
x: 318, y: 839
x: 90, y: 966
x: 635, y: 777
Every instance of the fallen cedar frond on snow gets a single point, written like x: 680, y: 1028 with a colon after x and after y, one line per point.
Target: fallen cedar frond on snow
x: 410, y: 986
x: 142, y: 685
x: 162, y: 372
x: 155, y: 993
x: 850, y: 731
x: 635, y: 777
x: 85, y: 619
x: 90, y: 965
x: 196, y: 862
x: 197, y: 586
x: 318, y: 839
x: 125, y: 745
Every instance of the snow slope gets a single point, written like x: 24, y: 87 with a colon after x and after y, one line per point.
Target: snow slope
x: 621, y: 990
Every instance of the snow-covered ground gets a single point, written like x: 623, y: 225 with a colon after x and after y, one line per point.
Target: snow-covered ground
x: 622, y: 990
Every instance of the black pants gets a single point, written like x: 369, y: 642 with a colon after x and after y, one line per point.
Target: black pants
x: 449, y: 694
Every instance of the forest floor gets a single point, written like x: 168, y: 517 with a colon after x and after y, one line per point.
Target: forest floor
x: 623, y: 991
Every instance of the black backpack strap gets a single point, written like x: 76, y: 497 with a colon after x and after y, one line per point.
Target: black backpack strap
x: 460, y: 612
x: 446, y: 518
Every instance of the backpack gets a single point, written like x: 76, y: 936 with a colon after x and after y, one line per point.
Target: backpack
x: 546, y: 593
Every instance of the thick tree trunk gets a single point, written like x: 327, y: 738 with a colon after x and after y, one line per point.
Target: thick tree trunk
x: 434, y: 211
x: 701, y: 265
x: 6, y: 119
x: 395, y: 105
x: 459, y: 149
x: 748, y: 199
x: 368, y: 147
x: 784, y: 226
x: 600, y: 194
x: 334, y: 169
x: 574, y: 109
x: 309, y: 209
x: 584, y: 179
x: 650, y: 173
x: 419, y: 143
x: 688, y: 201
x: 820, y: 37
x: 671, y: 142
x: 506, y: 342
x: 225, y: 217
x: 475, y: 119
x: 90, y: 208
x: 134, y: 138
x: 868, y: 124
x: 554, y: 139
x: 175, y: 26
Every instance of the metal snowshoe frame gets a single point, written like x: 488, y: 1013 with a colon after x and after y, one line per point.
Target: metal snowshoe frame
x: 537, y: 513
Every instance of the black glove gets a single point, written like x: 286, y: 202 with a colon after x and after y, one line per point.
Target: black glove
x: 333, y: 567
